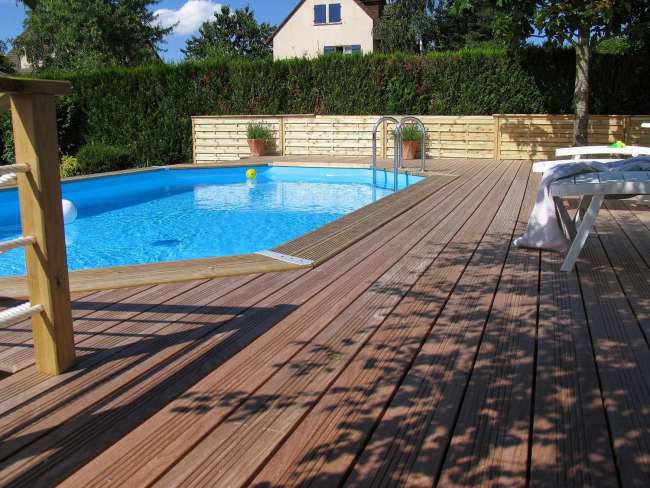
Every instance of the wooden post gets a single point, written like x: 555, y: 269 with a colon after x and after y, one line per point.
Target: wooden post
x: 281, y: 135
x: 36, y: 145
x: 497, y: 136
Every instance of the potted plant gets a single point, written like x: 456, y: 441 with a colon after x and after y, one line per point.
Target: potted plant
x: 259, y: 138
x: 411, y: 137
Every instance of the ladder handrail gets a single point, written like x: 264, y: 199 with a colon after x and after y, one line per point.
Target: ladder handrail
x: 378, y: 124
x: 423, y: 131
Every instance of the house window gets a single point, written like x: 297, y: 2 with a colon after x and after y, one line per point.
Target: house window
x: 335, y: 13
x: 320, y: 14
x: 354, y: 49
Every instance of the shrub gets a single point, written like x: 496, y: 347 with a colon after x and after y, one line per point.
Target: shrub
x: 69, y: 166
x: 101, y: 158
x: 411, y: 132
x: 149, y: 108
x: 259, y: 131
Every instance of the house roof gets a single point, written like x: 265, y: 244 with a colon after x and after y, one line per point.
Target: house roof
x: 373, y: 14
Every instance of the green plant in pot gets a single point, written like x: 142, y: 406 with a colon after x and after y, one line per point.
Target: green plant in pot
x: 260, y: 138
x: 411, y: 137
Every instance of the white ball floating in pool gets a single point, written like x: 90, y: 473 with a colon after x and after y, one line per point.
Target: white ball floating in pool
x: 69, y: 211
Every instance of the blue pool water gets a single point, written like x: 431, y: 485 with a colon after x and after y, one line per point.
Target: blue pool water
x: 173, y: 214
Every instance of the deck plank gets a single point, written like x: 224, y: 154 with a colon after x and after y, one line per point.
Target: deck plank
x: 623, y: 360
x: 489, y: 445
x: 290, y: 334
x: 285, y: 299
x: 424, y: 351
x: 570, y: 443
x: 330, y: 437
x: 409, y: 444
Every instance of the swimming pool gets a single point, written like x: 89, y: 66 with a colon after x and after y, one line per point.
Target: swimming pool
x: 174, y: 214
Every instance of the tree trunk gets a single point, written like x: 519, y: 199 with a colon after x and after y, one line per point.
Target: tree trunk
x: 581, y: 92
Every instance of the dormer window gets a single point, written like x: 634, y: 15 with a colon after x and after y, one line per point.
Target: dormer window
x: 327, y: 13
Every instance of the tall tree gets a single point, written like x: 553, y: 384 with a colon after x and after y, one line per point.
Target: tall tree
x: 577, y: 23
x: 5, y: 65
x: 406, y: 26
x: 74, y: 34
x: 423, y: 25
x: 231, y: 34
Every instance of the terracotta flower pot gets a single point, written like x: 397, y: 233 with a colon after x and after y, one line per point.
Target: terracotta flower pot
x: 410, y: 149
x: 257, y: 147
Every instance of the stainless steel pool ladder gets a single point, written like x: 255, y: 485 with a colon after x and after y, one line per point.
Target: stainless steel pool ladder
x: 397, y: 158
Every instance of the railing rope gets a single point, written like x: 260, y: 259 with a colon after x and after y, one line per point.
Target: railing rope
x: 8, y: 172
x: 21, y: 312
x: 8, y: 178
x: 9, y: 169
x: 15, y: 243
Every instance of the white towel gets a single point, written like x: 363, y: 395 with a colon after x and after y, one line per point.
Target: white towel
x: 544, y: 230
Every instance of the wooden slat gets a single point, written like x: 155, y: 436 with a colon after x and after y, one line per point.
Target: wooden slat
x: 623, y: 358
x: 409, y: 444
x: 490, y: 439
x: 158, y: 273
x: 429, y: 352
x: 570, y: 442
x: 286, y: 336
x: 325, y: 443
x: 262, y: 425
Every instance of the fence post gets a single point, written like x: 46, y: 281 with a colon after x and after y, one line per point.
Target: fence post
x: 281, y: 135
x: 36, y: 145
x: 497, y: 136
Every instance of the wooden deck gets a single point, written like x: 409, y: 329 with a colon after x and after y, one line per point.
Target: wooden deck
x: 428, y: 352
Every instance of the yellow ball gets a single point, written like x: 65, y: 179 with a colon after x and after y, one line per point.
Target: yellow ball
x: 251, y: 174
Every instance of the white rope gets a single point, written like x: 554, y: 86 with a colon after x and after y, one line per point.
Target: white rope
x: 18, y: 313
x: 8, y: 178
x: 12, y: 169
x: 14, y: 243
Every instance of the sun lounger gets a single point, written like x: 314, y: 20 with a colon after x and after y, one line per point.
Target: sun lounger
x: 581, y: 153
x: 592, y: 188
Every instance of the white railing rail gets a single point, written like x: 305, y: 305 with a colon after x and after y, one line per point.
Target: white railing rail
x: 9, y: 172
x: 6, y: 246
x: 19, y: 313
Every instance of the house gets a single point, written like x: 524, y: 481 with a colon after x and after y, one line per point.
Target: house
x: 316, y: 27
x: 20, y: 62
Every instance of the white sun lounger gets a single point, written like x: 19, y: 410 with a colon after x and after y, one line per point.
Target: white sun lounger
x: 578, y: 154
x: 592, y: 188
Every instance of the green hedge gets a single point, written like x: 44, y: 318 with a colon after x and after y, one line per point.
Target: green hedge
x: 148, y: 109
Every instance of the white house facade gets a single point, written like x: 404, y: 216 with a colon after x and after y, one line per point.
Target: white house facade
x: 317, y: 27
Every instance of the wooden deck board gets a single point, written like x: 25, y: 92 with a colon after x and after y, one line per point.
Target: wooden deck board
x: 300, y: 329
x: 424, y: 351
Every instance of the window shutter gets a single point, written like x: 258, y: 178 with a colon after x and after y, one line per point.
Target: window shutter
x: 335, y: 12
x: 356, y: 49
x: 320, y: 14
x: 329, y: 49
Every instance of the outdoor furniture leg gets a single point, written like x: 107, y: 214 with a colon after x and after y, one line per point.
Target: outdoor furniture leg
x: 582, y: 233
x: 565, y: 218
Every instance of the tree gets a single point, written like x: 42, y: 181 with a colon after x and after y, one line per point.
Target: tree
x: 5, y: 65
x: 231, y: 34
x: 74, y: 34
x: 471, y: 27
x: 417, y: 26
x: 577, y: 23
x: 406, y: 26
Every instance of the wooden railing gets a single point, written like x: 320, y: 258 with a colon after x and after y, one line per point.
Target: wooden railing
x: 36, y: 172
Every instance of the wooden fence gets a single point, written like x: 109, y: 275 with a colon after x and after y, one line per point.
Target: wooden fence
x: 223, y: 138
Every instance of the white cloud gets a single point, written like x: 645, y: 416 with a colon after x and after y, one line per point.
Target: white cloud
x: 189, y: 17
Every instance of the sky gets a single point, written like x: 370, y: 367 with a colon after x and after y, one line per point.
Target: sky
x: 189, y: 14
